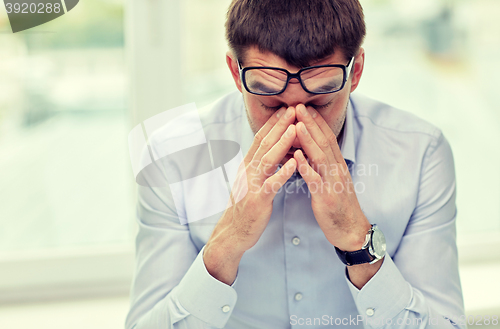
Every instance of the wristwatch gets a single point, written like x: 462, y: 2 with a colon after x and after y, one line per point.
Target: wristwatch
x: 372, y: 251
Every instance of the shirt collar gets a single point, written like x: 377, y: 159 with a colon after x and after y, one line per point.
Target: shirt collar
x: 346, y: 140
x: 247, y: 134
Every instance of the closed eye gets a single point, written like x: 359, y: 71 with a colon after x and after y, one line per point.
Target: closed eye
x: 273, y: 108
x: 314, y: 106
x: 320, y: 107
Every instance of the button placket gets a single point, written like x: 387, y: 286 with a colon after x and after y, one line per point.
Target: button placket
x: 296, y: 207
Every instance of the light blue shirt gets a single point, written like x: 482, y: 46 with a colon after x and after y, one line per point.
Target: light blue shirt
x: 402, y: 169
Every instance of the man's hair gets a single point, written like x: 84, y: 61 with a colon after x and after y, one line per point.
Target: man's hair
x: 299, y: 31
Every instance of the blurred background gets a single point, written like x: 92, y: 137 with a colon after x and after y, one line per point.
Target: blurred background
x: 72, y: 89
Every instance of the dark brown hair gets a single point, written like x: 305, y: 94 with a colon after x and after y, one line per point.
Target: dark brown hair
x: 299, y: 31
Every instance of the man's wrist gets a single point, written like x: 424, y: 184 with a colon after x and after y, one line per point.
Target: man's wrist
x: 222, y: 260
x: 356, y: 239
x: 360, y: 274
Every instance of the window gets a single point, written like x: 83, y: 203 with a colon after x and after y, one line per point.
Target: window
x: 67, y: 198
x: 439, y: 60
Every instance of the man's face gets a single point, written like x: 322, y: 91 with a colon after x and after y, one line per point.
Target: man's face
x: 332, y: 107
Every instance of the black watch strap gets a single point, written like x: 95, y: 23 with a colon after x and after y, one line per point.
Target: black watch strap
x: 349, y: 258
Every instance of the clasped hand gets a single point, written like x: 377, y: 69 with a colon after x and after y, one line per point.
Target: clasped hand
x: 325, y: 172
x: 333, y: 198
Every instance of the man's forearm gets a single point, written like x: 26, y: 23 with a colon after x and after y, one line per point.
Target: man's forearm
x: 222, y: 259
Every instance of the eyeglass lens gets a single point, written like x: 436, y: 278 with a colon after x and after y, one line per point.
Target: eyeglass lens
x: 316, y: 80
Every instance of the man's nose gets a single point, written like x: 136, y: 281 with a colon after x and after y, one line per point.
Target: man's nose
x: 294, y: 94
x: 296, y: 142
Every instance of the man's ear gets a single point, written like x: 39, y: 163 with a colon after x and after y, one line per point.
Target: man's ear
x: 358, y: 69
x: 233, y: 67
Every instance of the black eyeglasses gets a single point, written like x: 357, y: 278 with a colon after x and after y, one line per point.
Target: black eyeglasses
x: 320, y: 79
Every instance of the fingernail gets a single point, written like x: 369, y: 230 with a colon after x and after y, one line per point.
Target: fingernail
x: 313, y: 113
x: 304, y: 130
x: 279, y: 113
x: 288, y: 113
x: 289, y: 131
x: 303, y: 110
x: 301, y: 156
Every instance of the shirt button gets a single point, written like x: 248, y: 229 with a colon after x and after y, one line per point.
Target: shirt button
x: 226, y: 308
x: 298, y: 296
x: 296, y: 241
x: 370, y: 311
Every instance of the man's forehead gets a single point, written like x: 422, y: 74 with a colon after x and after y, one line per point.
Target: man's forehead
x: 261, y: 57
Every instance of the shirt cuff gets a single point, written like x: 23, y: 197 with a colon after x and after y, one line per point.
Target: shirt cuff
x: 385, y: 295
x: 205, y: 297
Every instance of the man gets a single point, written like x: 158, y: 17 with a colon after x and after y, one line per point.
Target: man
x: 297, y: 247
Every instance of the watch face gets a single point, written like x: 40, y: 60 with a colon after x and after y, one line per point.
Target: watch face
x: 378, y: 243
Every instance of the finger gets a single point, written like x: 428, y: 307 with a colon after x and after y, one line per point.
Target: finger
x: 311, y: 177
x: 272, y: 184
x: 330, y: 136
x: 317, y: 157
x: 316, y: 133
x: 262, y: 133
x: 275, y: 133
x: 269, y: 162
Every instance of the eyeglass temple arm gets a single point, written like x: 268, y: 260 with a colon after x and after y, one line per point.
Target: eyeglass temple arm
x: 349, y: 68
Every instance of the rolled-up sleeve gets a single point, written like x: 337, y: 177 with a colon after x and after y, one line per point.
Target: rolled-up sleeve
x: 419, y: 286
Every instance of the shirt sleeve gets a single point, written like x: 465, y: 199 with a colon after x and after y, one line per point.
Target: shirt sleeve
x: 172, y: 288
x: 419, y: 286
